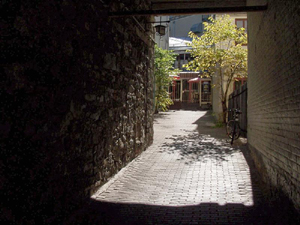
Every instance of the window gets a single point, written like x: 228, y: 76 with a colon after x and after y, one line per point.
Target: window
x: 205, y: 87
x: 238, y: 83
x: 242, y: 23
x: 185, y: 85
x: 205, y: 18
x: 188, y: 57
x: 206, y: 91
x: 195, y: 86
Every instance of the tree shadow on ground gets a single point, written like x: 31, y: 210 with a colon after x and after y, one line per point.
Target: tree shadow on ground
x: 206, y: 142
x: 261, y: 212
x: 194, y: 147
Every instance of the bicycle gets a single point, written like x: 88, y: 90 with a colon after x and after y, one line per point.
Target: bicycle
x: 233, y: 126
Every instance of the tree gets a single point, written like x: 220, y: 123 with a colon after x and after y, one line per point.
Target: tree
x: 163, y: 63
x: 219, y: 54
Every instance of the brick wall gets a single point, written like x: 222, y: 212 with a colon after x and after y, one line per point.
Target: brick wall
x: 76, y: 90
x: 274, y: 95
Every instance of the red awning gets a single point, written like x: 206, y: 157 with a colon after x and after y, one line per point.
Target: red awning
x: 194, y: 80
x: 175, y: 77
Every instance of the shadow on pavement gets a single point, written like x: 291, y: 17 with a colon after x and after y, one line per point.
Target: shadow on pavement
x: 98, y: 212
x: 207, y: 125
x: 208, y: 143
x: 194, y: 147
x: 160, y: 115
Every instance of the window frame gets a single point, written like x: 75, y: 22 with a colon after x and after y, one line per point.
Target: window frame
x: 244, y: 20
x: 243, y: 80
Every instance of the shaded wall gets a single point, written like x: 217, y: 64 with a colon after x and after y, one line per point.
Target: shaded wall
x: 274, y: 95
x: 76, y: 90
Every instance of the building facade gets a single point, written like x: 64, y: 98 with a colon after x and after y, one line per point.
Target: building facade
x: 201, y: 88
x: 240, y: 20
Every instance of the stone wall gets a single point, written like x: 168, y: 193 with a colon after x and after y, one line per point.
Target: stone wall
x: 76, y: 90
x: 274, y: 95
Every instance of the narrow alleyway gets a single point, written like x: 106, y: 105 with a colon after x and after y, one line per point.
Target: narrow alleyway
x: 190, y: 175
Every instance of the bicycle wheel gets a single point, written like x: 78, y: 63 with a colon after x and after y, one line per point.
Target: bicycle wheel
x: 230, y: 129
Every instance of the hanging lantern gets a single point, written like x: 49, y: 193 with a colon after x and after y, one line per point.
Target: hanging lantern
x: 160, y: 29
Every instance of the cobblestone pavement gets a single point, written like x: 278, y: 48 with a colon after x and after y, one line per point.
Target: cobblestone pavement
x: 190, y: 175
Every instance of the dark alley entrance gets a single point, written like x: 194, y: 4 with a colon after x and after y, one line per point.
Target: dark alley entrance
x: 190, y: 175
x: 77, y: 96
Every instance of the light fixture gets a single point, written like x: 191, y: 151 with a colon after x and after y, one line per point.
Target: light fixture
x: 160, y: 29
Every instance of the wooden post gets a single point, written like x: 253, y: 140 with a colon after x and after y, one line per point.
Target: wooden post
x: 190, y: 91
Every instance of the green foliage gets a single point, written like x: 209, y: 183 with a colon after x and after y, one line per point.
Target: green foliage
x: 163, y: 63
x: 219, y: 54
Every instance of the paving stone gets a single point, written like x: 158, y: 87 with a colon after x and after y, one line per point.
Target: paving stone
x: 185, y: 177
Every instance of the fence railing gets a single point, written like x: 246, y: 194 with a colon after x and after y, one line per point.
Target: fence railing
x: 238, y: 100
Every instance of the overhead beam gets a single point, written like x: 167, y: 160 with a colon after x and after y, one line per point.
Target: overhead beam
x: 187, y: 4
x: 190, y: 11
